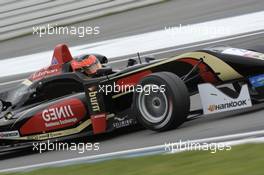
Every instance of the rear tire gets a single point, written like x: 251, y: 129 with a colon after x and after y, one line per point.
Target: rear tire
x: 165, y: 109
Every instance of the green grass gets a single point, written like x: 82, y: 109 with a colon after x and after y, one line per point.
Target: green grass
x: 246, y: 159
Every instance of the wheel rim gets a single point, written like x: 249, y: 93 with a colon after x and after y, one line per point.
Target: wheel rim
x: 153, y: 107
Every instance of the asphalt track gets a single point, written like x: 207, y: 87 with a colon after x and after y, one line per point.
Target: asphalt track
x: 143, y: 20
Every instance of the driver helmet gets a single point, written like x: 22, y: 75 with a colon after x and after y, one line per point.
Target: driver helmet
x: 88, y: 65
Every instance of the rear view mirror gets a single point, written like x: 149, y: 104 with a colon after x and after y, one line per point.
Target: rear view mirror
x: 131, y: 62
x: 149, y: 59
x: 101, y: 58
x: 104, y: 71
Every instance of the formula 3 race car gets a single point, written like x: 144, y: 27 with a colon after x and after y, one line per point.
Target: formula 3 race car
x: 56, y: 103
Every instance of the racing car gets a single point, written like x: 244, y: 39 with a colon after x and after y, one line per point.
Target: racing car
x: 56, y: 103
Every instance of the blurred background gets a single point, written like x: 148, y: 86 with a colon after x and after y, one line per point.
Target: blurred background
x: 24, y: 27
x: 116, y: 18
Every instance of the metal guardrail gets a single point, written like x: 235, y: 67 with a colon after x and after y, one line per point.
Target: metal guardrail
x: 18, y: 17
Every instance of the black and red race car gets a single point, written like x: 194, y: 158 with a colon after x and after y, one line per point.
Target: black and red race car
x: 58, y: 103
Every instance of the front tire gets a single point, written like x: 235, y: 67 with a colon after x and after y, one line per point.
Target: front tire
x: 166, y: 108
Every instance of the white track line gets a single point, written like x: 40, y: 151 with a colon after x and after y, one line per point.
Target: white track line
x: 196, y: 45
x: 229, y: 143
x: 11, y: 82
x: 169, y: 50
x: 233, y: 139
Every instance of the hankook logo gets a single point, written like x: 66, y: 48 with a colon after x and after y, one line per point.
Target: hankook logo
x: 232, y: 104
x: 94, y: 101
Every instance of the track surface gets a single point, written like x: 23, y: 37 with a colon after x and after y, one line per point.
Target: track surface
x: 143, y: 20
x: 155, y: 17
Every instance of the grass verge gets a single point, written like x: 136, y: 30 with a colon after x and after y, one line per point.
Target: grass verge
x: 240, y: 160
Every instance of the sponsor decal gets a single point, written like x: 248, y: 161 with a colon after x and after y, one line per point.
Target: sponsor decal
x: 9, y: 134
x: 257, y: 81
x: 123, y: 122
x: 46, y: 136
x: 99, y: 123
x: 120, y: 119
x: 54, y: 61
x: 245, y: 53
x: 58, y: 116
x: 63, y: 114
x: 48, y: 71
x: 213, y: 100
x: 94, y: 101
x: 57, y: 134
x: 44, y: 73
x: 227, y: 105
